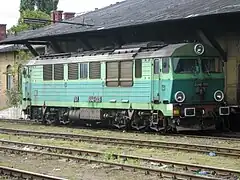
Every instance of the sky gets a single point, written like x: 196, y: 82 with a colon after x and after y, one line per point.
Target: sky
x: 9, y: 11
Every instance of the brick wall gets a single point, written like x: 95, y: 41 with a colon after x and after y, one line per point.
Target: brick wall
x: 2, y: 31
x: 5, y: 60
x: 56, y: 15
x: 68, y: 15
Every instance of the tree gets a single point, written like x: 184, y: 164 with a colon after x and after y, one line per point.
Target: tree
x: 43, y: 5
x: 21, y: 26
x: 40, y: 9
x: 27, y: 5
x: 47, y: 5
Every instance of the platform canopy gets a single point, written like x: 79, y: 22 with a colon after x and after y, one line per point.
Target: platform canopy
x: 131, y: 13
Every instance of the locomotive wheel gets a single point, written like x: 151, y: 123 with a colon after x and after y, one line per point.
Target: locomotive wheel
x: 121, y: 122
x: 139, y: 123
x: 156, y: 122
x: 169, y: 127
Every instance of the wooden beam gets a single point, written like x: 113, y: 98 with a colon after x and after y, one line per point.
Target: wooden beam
x: 85, y: 43
x: 31, y: 49
x: 55, y: 46
x: 38, y: 42
x: 119, y: 39
x: 209, y: 38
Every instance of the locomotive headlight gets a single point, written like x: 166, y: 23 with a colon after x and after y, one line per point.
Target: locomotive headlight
x: 218, y: 95
x: 180, y: 96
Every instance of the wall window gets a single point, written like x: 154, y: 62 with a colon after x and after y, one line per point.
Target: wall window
x: 165, y: 65
x: 47, y: 72
x: 119, y: 74
x: 83, y: 70
x: 156, y: 66
x: 9, y: 77
x: 138, y: 68
x: 73, y: 71
x: 95, y: 70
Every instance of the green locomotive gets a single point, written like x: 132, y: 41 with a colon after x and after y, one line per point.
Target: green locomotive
x: 139, y: 86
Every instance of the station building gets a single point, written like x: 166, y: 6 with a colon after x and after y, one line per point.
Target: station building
x: 9, y: 59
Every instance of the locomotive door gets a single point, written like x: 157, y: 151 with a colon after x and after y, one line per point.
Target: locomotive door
x: 26, y: 84
x: 156, y: 81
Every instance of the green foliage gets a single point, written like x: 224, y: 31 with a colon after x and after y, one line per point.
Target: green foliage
x: 24, y: 56
x: 43, y: 5
x: 29, y: 14
x: 39, y: 9
x: 27, y: 5
x: 47, y: 5
x: 14, y: 95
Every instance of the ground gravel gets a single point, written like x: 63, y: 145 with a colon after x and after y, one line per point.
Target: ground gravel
x: 165, y: 154
x: 71, y: 169
x: 142, y: 136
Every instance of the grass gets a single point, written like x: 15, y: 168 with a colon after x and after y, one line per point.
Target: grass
x: 194, y: 158
x: 142, y: 136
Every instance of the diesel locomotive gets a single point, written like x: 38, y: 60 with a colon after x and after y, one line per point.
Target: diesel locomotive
x: 161, y: 87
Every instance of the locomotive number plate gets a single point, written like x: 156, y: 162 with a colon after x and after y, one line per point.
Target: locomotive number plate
x: 97, y: 99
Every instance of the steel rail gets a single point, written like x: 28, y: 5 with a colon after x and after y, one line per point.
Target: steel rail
x: 12, y: 172
x: 74, y: 151
x: 24, y: 121
x: 147, y: 170
x: 229, y: 152
x: 226, y: 137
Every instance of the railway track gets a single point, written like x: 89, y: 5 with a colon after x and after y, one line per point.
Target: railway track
x: 229, y: 152
x: 21, y: 174
x: 190, y: 134
x: 148, y: 165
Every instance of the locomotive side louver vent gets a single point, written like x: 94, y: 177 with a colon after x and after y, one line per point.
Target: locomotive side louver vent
x: 58, y: 71
x: 95, y: 70
x: 112, y: 74
x: 126, y: 73
x: 47, y: 72
x: 73, y: 71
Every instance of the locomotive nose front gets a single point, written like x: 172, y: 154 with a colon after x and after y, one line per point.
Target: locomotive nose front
x: 198, y: 85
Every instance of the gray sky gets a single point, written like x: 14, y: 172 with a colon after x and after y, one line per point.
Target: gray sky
x: 9, y: 13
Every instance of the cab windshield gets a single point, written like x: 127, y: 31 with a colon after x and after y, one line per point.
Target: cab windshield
x: 185, y: 65
x: 211, y: 65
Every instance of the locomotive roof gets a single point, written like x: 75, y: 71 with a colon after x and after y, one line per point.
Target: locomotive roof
x: 181, y: 49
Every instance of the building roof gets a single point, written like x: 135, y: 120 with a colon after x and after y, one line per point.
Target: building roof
x: 132, y: 13
x: 13, y: 48
x: 10, y: 48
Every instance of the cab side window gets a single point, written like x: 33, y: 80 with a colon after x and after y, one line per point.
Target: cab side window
x: 165, y: 65
x: 156, y: 66
x: 138, y: 68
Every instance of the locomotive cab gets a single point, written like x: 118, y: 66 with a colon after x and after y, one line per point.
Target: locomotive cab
x: 197, y: 92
